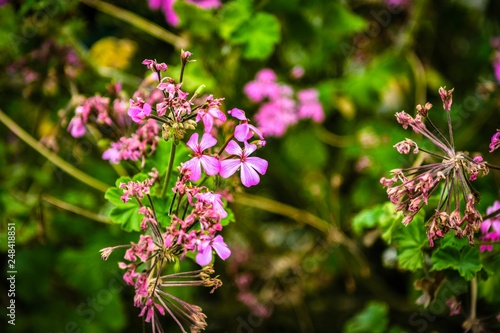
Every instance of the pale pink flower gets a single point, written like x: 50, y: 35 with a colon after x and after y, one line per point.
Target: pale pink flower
x: 209, y: 163
x: 250, y: 167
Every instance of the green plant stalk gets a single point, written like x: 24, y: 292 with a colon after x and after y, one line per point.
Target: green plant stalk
x: 333, y: 234
x: 49, y: 155
x: 138, y: 22
x: 75, y: 209
x: 169, y: 169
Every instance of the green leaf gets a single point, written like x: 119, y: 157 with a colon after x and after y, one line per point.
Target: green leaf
x: 230, y: 217
x: 410, y: 241
x: 232, y: 16
x: 258, y: 35
x: 372, y: 319
x: 457, y: 255
x: 127, y: 216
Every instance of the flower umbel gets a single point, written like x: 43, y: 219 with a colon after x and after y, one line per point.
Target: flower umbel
x: 409, y: 189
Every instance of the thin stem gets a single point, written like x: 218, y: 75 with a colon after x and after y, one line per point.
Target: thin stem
x: 169, y: 169
x: 138, y: 22
x: 49, y: 155
x: 433, y: 154
x: 492, y: 166
x: 450, y: 129
x: 473, y: 298
x: 75, y: 209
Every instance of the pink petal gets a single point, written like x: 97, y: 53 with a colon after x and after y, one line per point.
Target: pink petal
x: 195, y: 167
x: 242, y: 132
x: 207, y: 141
x: 229, y: 167
x: 249, y: 176
x: 210, y: 164
x: 233, y: 149
x: 249, y: 148
x: 221, y: 248
x: 193, y: 142
x: 204, y: 257
x: 258, y: 164
x: 237, y: 113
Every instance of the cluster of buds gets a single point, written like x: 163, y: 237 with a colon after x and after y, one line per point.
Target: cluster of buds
x: 409, y: 189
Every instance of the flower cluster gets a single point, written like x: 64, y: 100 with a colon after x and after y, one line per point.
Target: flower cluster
x: 279, y: 109
x: 409, y: 189
x: 196, y: 212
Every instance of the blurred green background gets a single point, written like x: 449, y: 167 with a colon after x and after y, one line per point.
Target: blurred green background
x: 297, y: 263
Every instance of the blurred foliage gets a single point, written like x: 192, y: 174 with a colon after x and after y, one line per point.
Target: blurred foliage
x: 324, y: 253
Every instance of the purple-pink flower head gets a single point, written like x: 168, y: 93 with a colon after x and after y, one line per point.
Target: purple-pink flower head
x: 204, y: 256
x: 309, y: 105
x: 76, y: 126
x: 249, y: 166
x: 153, y: 65
x: 210, y: 112
x: 446, y: 97
x: 490, y: 228
x: 200, y: 160
x: 495, y: 141
x: 410, y: 189
x: 139, y: 110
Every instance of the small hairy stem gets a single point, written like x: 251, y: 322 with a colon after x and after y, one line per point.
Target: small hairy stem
x: 490, y: 215
x: 138, y: 22
x: 49, y: 155
x: 492, y: 166
x: 75, y: 209
x: 169, y: 169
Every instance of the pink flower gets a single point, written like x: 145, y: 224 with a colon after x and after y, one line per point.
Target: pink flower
x: 212, y: 111
x: 309, y: 105
x: 495, y: 142
x: 214, y: 200
x: 76, y: 127
x: 138, y: 110
x: 167, y: 6
x: 244, y: 131
x: 205, y: 4
x: 210, y: 164
x: 149, y: 310
x: 204, y: 256
x: 249, y: 166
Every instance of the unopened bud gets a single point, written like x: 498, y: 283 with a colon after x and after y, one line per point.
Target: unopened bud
x: 446, y: 97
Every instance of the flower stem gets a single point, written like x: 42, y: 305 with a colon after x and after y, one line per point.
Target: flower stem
x: 75, y: 209
x: 138, y: 22
x: 49, y: 155
x: 169, y: 169
x: 473, y: 298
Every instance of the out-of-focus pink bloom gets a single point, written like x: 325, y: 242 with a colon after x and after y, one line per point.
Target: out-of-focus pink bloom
x: 167, y: 6
x: 76, y: 127
x: 249, y: 166
x: 309, y: 105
